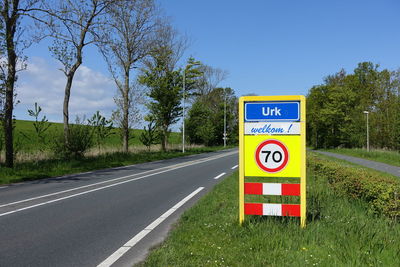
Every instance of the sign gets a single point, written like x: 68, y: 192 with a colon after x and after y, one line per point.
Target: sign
x: 272, y: 111
x: 272, y: 146
x: 272, y: 156
x: 272, y: 128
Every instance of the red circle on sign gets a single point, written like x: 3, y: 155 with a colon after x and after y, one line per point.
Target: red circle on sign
x: 275, y: 142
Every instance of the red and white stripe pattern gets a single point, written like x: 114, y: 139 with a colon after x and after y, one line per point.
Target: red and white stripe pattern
x: 274, y: 189
x: 272, y: 209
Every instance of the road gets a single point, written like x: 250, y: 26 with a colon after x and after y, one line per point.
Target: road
x: 394, y: 170
x: 103, y: 217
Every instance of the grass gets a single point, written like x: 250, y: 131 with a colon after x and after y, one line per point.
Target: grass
x: 24, y: 133
x: 339, y: 232
x: 26, y: 171
x: 384, y: 156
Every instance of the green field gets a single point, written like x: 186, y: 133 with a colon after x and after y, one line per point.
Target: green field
x: 340, y: 232
x: 25, y: 133
x: 384, y: 156
x: 35, y: 161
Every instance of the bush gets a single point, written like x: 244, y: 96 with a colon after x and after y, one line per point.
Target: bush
x: 382, y: 193
x: 80, y: 140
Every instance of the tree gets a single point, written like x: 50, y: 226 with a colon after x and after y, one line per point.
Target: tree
x: 335, y: 109
x: 41, y: 126
x: 102, y: 128
x: 210, y: 79
x: 150, y: 135
x: 127, y: 38
x: 72, y: 24
x: 199, y: 125
x: 165, y: 85
x: 205, y: 122
x: 14, y: 42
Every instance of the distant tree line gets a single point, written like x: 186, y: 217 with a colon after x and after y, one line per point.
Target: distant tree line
x: 336, y: 109
x: 130, y: 34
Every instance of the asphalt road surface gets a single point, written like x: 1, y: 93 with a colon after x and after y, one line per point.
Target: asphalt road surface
x: 394, y: 170
x: 107, y: 217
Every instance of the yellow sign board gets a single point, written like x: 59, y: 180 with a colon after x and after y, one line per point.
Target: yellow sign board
x: 272, y: 144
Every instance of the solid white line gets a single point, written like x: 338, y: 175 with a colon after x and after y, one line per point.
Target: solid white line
x: 234, y: 167
x: 1, y: 187
x: 219, y: 176
x: 132, y: 242
x: 169, y: 168
x: 112, y: 180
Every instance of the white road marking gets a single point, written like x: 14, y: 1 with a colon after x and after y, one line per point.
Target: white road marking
x: 234, y: 167
x: 132, y: 242
x: 1, y: 187
x: 168, y: 168
x: 219, y: 176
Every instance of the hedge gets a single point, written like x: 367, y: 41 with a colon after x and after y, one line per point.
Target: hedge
x: 381, y: 192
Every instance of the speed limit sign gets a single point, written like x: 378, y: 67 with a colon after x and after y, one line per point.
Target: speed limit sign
x: 272, y: 156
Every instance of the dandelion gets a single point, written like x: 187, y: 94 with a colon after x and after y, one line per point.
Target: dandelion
x: 304, y: 248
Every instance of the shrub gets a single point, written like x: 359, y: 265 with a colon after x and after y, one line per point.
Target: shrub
x: 80, y: 140
x: 382, y: 193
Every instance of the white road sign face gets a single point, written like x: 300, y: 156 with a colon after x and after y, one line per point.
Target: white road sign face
x: 271, y: 128
x: 272, y: 156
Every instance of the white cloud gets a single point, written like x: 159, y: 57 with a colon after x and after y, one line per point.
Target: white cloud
x: 44, y: 83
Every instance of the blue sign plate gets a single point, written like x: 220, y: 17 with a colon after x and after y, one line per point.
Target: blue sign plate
x: 272, y: 111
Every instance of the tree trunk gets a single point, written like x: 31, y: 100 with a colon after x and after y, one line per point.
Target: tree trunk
x: 8, y: 116
x: 67, y: 94
x: 11, y: 24
x: 125, y: 111
x: 164, y: 141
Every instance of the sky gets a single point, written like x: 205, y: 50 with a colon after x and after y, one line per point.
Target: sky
x: 267, y: 47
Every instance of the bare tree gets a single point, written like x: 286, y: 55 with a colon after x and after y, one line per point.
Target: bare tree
x: 14, y: 42
x: 72, y: 24
x: 126, y: 39
x: 169, y: 44
x: 135, y: 97
x: 210, y: 80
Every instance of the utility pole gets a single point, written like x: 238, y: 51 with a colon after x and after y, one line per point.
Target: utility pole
x: 224, y: 117
x: 183, y: 113
x: 366, y: 112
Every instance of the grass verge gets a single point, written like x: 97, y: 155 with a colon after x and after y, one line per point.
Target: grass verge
x: 380, y: 191
x: 26, y: 171
x: 339, y: 232
x: 388, y: 157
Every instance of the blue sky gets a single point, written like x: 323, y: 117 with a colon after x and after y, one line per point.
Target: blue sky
x: 268, y: 48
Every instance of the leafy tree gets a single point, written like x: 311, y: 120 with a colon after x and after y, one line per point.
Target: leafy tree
x: 13, y: 41
x: 165, y: 93
x: 102, y: 128
x: 335, y: 109
x: 150, y: 135
x: 72, y: 24
x: 41, y: 126
x: 205, y: 123
x: 200, y: 128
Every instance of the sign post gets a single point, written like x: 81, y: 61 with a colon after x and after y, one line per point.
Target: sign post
x: 272, y: 145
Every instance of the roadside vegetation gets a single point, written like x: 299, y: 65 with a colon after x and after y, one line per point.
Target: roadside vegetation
x: 33, y: 170
x: 154, y: 85
x: 343, y: 229
x: 384, y: 156
x: 337, y: 110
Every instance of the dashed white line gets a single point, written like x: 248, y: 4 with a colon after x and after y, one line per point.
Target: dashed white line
x: 132, y: 242
x: 219, y: 176
x: 234, y: 167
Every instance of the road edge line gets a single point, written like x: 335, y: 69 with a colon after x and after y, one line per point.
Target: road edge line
x: 133, y: 241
